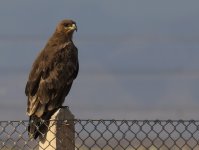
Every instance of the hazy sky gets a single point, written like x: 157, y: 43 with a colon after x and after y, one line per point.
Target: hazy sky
x: 138, y: 59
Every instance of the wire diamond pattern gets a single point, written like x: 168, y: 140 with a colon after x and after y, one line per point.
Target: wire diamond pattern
x: 112, y: 135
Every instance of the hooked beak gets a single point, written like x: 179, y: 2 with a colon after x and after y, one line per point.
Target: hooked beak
x: 73, y: 27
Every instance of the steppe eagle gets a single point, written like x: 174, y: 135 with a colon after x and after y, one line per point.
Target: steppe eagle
x: 51, y: 76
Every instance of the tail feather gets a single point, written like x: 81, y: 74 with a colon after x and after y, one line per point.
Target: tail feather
x: 39, y: 125
x: 36, y: 127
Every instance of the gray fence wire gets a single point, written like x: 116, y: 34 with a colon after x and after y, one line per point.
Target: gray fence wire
x: 113, y: 135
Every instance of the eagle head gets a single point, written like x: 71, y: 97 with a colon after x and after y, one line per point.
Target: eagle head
x: 66, y: 26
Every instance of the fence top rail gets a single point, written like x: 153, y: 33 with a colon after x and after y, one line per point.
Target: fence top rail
x: 112, y: 120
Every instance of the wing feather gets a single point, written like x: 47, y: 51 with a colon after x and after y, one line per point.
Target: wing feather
x: 50, y: 77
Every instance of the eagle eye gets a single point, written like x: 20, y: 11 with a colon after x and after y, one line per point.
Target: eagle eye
x: 66, y: 25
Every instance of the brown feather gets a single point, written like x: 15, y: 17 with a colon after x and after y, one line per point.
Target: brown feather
x: 52, y: 73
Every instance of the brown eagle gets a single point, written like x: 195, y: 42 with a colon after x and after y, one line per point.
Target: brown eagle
x: 51, y: 77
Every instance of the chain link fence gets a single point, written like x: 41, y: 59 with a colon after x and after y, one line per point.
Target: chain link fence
x: 112, y: 135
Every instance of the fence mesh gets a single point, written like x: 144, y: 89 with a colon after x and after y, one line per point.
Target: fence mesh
x: 110, y: 135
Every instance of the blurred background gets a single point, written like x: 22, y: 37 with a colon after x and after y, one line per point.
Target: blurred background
x: 138, y: 59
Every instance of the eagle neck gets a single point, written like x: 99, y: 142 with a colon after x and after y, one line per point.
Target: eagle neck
x: 59, y: 38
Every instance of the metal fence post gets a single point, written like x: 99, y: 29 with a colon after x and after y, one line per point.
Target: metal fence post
x: 61, y: 132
